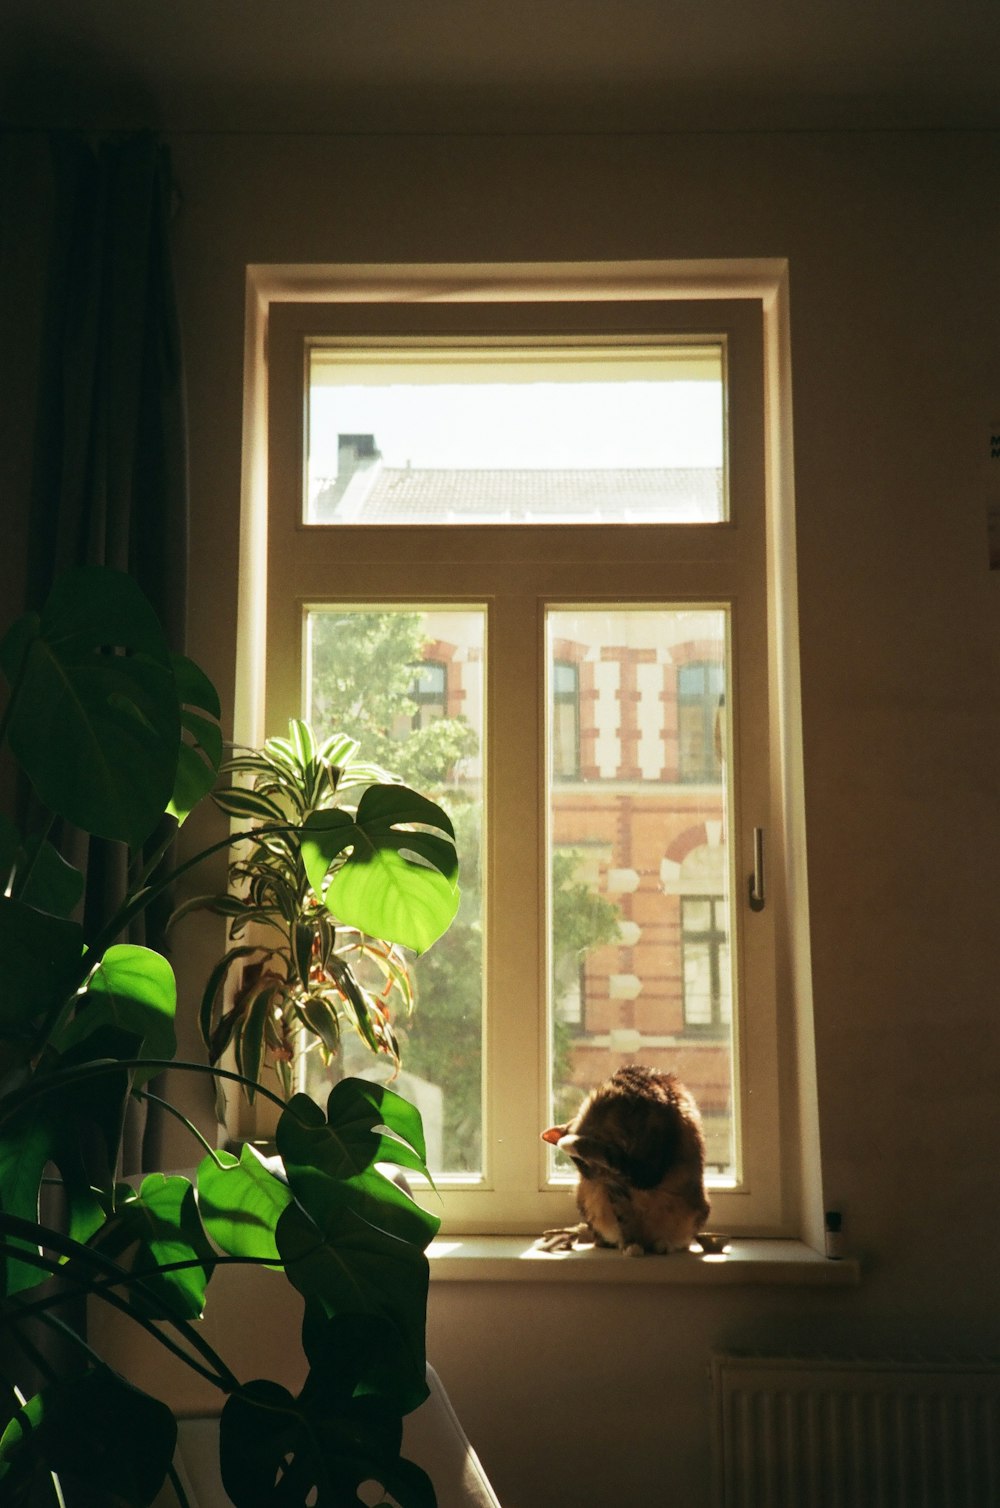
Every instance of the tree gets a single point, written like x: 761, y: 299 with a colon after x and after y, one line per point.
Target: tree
x: 364, y: 665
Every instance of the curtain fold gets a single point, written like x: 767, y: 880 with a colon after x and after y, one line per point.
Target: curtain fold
x: 109, y: 479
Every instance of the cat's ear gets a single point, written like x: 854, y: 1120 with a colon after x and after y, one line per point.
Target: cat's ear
x: 554, y: 1134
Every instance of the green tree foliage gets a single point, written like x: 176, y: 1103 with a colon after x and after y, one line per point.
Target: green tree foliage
x: 363, y: 676
x: 364, y: 668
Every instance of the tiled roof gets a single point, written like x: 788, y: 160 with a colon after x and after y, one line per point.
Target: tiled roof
x: 403, y: 495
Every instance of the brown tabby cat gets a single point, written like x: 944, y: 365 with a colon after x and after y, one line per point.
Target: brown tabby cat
x: 638, y: 1146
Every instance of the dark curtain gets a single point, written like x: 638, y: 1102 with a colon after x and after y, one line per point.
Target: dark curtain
x: 109, y: 475
x: 93, y: 463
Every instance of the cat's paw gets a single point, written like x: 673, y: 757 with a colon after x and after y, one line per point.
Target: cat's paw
x: 566, y: 1238
x: 633, y: 1249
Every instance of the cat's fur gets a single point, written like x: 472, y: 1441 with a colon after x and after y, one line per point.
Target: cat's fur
x: 638, y: 1147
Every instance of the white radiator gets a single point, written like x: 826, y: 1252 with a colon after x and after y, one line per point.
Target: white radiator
x: 822, y: 1433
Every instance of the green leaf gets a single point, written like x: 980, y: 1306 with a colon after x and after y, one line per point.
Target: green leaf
x: 398, y: 882
x: 356, y: 996
x: 39, y: 964
x: 391, y: 898
x: 213, y: 985
x: 242, y: 802
x: 348, y: 1139
x: 384, y: 812
x: 27, y: 1144
x: 339, y: 749
x: 223, y: 904
x: 132, y: 988
x: 196, y: 690
x: 354, y: 1241
x: 254, y: 1010
x: 98, y: 1433
x: 97, y: 731
x: 303, y: 743
x: 320, y: 1015
x: 325, y: 836
x: 355, y: 1105
x: 241, y: 1203
x: 302, y: 943
x: 342, y: 1265
x: 74, y: 1120
x: 51, y: 885
x: 343, y: 1429
x: 163, y: 1223
x: 365, y: 1124
x: 200, y: 753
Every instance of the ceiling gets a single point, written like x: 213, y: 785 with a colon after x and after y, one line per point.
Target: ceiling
x: 500, y: 65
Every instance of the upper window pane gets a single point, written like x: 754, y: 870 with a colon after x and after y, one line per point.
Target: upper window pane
x: 517, y: 436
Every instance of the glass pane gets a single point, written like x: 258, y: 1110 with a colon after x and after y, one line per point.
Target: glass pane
x: 697, y: 983
x: 546, y: 435
x: 365, y: 678
x: 639, y: 938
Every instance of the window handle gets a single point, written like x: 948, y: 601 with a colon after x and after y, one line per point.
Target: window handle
x: 757, y: 878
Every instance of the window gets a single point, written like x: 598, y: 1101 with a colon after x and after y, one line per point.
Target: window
x: 707, y: 975
x: 700, y: 701
x: 430, y: 692
x: 565, y: 742
x: 555, y: 512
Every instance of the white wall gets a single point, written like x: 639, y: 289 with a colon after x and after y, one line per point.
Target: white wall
x: 596, y: 1395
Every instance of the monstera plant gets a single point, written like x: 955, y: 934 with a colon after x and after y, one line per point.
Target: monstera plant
x: 112, y: 731
x: 346, y: 869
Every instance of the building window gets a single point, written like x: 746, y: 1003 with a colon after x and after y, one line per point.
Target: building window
x: 430, y: 692
x: 562, y: 506
x: 707, y: 977
x: 700, y: 703
x: 565, y: 736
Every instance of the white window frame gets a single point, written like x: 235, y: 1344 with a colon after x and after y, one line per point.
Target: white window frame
x: 711, y: 562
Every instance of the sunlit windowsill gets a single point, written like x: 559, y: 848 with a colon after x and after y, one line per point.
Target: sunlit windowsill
x: 516, y: 1259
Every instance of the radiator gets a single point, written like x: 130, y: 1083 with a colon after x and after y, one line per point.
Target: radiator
x: 823, y: 1433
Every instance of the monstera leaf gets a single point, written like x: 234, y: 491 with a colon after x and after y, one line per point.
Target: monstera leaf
x: 341, y: 1431
x: 397, y: 879
x: 169, y: 1250
x: 98, y: 705
x: 241, y: 1201
x: 353, y: 1241
x: 200, y: 752
x: 40, y: 962
x: 95, y: 717
x: 132, y: 988
x: 96, y: 1431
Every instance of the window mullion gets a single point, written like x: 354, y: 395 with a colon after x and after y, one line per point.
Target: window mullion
x: 515, y: 871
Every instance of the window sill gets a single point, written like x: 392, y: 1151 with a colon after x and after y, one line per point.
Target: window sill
x: 516, y: 1259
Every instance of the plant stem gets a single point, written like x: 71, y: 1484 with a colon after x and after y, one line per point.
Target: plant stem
x: 222, y: 1377
x: 101, y: 1286
x: 55, y: 1323
x: 156, y: 1099
x: 178, y: 1486
x: 138, y: 902
x: 43, y: 1085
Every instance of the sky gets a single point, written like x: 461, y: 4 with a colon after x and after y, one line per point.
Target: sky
x: 494, y: 426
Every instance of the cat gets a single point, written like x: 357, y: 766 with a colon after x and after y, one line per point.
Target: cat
x: 638, y: 1147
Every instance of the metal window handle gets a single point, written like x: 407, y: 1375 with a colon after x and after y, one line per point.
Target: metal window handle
x: 757, y: 878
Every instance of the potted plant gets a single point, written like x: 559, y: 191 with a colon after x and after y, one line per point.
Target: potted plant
x: 346, y: 868
x: 112, y: 731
